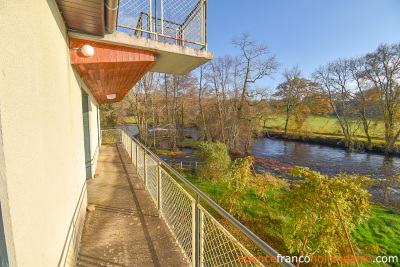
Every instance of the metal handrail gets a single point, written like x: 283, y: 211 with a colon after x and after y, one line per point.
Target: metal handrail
x: 224, y: 214
x: 181, y: 22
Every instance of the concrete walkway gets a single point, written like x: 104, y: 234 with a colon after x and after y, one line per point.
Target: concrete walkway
x: 124, y: 230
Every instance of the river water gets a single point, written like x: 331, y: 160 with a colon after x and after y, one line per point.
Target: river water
x: 325, y: 159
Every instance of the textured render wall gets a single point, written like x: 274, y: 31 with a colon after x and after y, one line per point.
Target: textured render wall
x: 42, y: 170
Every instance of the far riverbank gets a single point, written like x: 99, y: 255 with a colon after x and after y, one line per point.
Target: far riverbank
x: 332, y: 141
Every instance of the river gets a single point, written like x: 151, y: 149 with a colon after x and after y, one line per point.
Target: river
x: 321, y: 158
x: 325, y: 159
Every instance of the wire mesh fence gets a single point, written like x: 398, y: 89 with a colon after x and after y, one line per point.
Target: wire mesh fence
x: 134, y: 148
x: 152, y: 177
x: 220, y: 247
x: 203, y: 239
x: 181, y: 164
x: 182, y: 22
x: 140, y: 162
x: 110, y: 136
x: 177, y: 211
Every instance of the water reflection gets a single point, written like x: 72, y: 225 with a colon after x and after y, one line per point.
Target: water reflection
x: 327, y: 160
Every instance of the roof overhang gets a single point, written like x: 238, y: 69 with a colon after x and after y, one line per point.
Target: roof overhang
x: 112, y: 70
x: 171, y: 58
x: 83, y: 16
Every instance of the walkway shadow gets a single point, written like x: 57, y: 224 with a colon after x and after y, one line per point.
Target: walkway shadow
x: 149, y: 242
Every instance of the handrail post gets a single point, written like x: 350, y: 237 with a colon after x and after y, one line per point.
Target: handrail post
x: 202, y: 22
x: 201, y: 238
x: 144, y: 168
x: 197, y: 232
x: 162, y: 17
x: 132, y: 150
x: 205, y: 25
x: 159, y: 188
x: 149, y: 20
x: 137, y: 169
x: 194, y: 238
x: 156, y: 19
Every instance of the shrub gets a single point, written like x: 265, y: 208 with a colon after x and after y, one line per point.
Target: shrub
x: 217, y: 160
x: 322, y: 206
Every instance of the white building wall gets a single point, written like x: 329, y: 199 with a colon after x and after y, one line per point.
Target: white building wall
x: 42, y: 163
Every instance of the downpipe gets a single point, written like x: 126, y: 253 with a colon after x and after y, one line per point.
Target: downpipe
x: 111, y: 15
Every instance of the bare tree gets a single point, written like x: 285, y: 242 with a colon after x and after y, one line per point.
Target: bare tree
x: 382, y: 70
x: 288, y: 92
x: 202, y: 85
x: 141, y: 99
x: 255, y: 61
x: 335, y: 79
x: 361, y: 98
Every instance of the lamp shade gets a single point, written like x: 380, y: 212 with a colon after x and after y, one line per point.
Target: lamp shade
x: 87, y: 50
x: 111, y: 96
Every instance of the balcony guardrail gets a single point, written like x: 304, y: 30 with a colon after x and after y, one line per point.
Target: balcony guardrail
x: 182, y: 22
x: 203, y: 240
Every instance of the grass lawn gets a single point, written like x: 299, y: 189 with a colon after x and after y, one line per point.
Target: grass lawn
x: 382, y: 228
x: 168, y: 152
x: 189, y: 144
x: 319, y: 124
x: 130, y: 120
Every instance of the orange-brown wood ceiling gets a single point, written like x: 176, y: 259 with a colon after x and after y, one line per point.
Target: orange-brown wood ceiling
x: 112, y: 69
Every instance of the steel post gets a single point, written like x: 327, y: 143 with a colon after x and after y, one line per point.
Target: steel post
x: 194, y: 236
x: 197, y: 232
x: 162, y: 17
x: 156, y: 19
x: 149, y: 19
x: 159, y: 188
x: 205, y: 24
x: 202, y: 22
x: 137, y: 171
x: 201, y: 238
x: 144, y: 168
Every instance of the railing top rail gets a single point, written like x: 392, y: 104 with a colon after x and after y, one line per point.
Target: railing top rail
x: 260, y: 243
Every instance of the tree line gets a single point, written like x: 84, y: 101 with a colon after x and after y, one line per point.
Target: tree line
x: 226, y: 101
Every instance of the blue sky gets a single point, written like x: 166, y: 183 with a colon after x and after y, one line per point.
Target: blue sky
x: 307, y: 33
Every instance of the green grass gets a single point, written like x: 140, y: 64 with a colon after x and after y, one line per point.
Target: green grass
x: 150, y: 140
x: 189, y: 144
x: 168, y: 152
x: 319, y: 124
x: 130, y: 120
x: 382, y: 228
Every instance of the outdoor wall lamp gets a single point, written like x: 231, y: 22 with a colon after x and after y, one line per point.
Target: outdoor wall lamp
x: 87, y: 50
x: 111, y: 96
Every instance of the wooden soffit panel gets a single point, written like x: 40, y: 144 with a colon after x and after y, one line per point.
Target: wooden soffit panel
x: 112, y: 69
x: 83, y: 15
